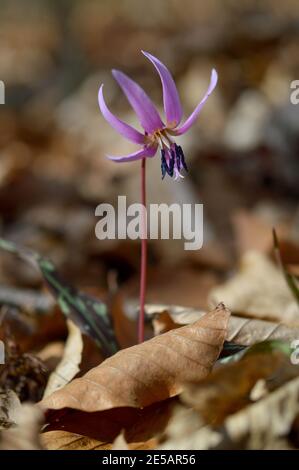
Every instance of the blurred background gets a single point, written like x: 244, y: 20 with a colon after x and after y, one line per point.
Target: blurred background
x: 243, y: 153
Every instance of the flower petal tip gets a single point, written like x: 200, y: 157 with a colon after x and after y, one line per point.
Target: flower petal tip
x: 191, y: 119
x: 101, y: 100
x: 172, y: 105
x: 100, y: 94
x: 117, y: 74
x: 147, y: 54
x: 214, y: 79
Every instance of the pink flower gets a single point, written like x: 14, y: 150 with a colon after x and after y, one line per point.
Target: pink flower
x: 157, y: 134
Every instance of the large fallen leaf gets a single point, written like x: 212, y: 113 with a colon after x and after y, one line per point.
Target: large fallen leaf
x: 258, y: 290
x: 163, y: 323
x: 149, y: 372
x: 242, y: 331
x: 68, y: 367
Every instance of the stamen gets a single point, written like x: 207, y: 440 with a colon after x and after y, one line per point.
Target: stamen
x: 163, y: 164
x: 178, y: 158
x: 167, y: 167
x: 179, y: 151
x: 171, y: 163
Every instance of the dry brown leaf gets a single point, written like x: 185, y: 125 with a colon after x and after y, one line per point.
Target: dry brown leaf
x: 63, y: 440
x: 248, y: 331
x: 149, y: 372
x: 258, y: 290
x: 245, y: 331
x: 68, y: 367
x: 229, y: 388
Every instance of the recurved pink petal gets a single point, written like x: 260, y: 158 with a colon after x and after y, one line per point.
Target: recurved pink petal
x: 138, y: 155
x: 124, y: 129
x: 191, y: 119
x: 143, y: 106
x: 172, y: 104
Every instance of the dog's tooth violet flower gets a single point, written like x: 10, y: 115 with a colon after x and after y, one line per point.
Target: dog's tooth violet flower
x: 157, y: 134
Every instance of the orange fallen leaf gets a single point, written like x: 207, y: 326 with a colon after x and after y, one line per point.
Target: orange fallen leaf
x: 149, y: 372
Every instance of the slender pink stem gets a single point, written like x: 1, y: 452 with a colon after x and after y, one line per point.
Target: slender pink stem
x: 143, y: 255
